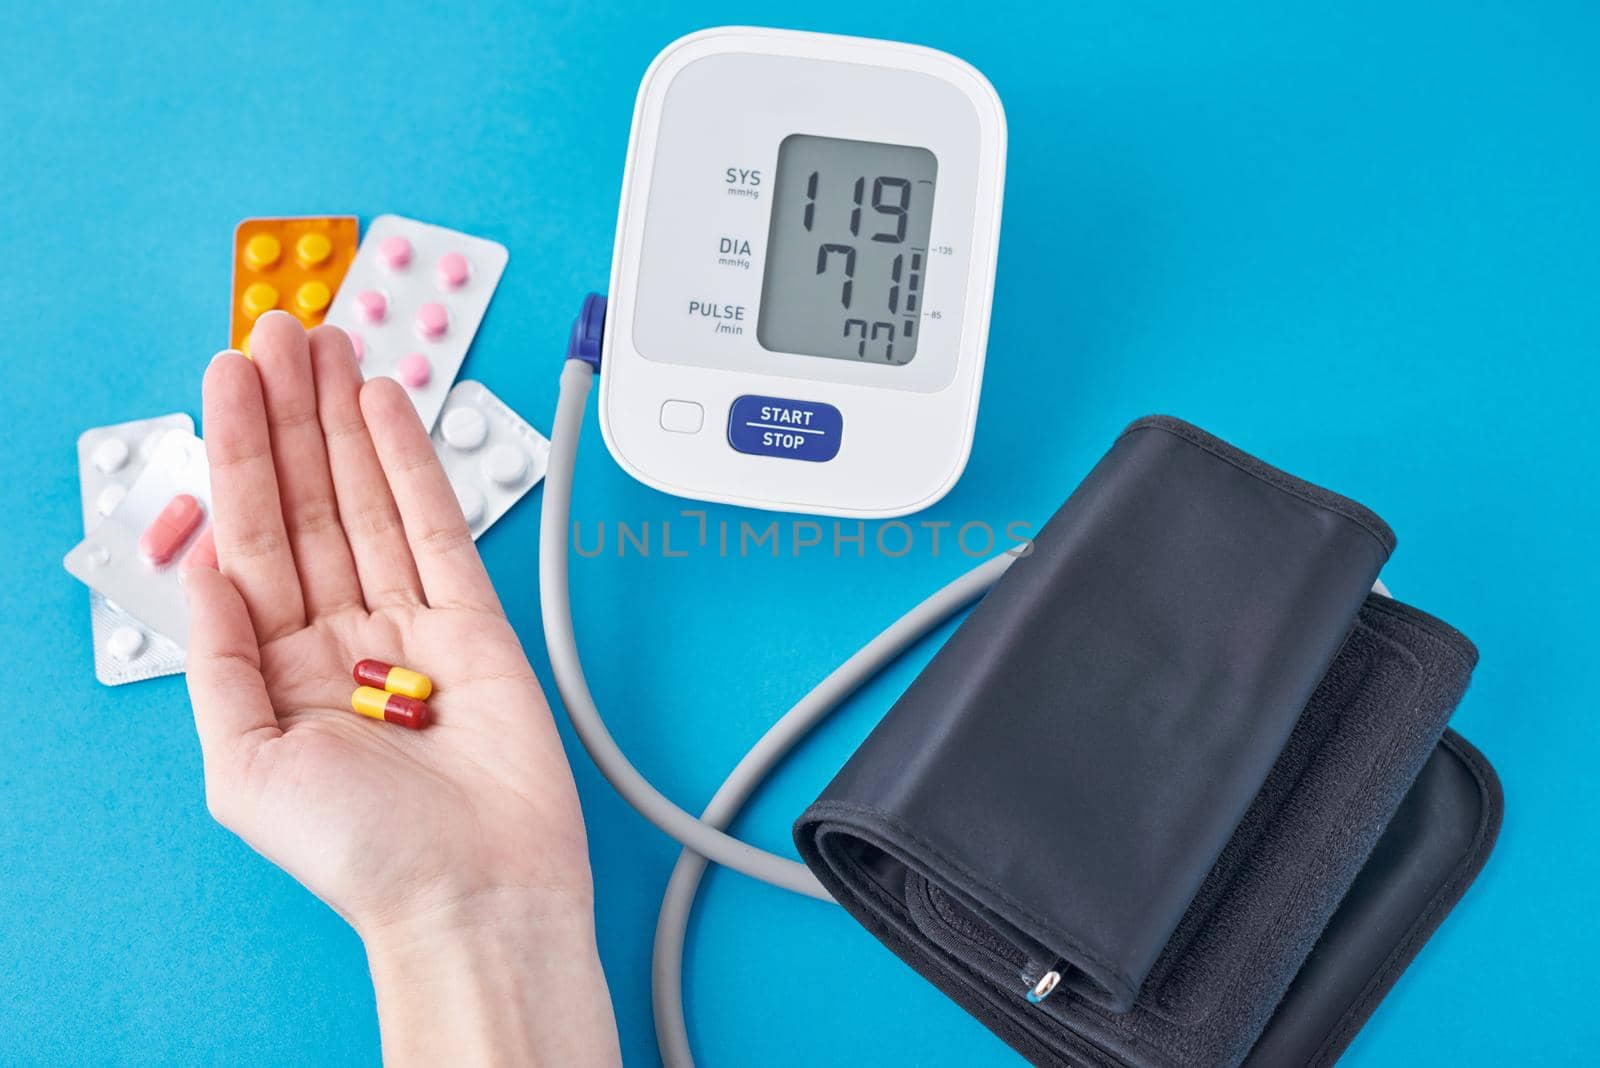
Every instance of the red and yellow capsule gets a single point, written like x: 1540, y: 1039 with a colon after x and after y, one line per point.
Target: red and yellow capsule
x: 399, y: 680
x: 391, y: 707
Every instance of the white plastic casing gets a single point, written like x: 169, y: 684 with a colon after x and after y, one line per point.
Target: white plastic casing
x: 712, y: 111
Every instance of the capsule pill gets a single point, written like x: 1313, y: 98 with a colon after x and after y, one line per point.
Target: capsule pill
x: 168, y: 532
x: 390, y: 707
x: 404, y: 681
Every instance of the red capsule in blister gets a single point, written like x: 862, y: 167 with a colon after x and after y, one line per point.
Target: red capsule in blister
x: 170, y: 529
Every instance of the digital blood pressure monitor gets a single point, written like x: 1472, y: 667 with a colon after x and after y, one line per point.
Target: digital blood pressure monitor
x: 804, y: 265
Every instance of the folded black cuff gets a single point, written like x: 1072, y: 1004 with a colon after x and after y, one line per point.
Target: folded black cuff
x: 1154, y: 758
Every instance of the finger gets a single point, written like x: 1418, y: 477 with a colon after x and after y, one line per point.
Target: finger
x: 448, y: 563
x: 310, y: 512
x: 251, y: 541
x: 377, y: 541
x: 231, y: 708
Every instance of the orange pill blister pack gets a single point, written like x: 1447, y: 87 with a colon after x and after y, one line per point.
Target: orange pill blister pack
x: 293, y: 264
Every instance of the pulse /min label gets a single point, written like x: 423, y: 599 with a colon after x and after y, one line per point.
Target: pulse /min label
x: 792, y: 429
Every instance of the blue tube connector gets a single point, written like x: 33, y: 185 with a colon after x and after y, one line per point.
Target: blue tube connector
x: 588, y: 332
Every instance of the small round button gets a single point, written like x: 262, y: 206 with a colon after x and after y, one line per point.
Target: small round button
x: 472, y: 505
x: 261, y: 252
x: 395, y: 252
x: 505, y: 466
x: 125, y: 643
x: 312, y: 249
x: 259, y: 298
x: 432, y: 321
x: 414, y: 370
x: 110, y: 455
x: 464, y: 429
x: 452, y: 270
x: 372, y: 305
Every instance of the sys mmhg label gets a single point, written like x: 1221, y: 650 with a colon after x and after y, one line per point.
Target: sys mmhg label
x: 793, y: 429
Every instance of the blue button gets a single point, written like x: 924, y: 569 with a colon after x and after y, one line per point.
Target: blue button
x: 794, y: 429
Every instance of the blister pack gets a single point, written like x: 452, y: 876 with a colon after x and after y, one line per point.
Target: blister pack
x: 295, y: 264
x: 490, y: 453
x: 110, y: 458
x: 132, y: 557
x: 412, y: 301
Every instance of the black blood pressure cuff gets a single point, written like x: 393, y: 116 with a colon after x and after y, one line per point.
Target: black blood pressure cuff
x: 1180, y: 757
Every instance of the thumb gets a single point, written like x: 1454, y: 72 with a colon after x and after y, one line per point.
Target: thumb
x: 232, y: 711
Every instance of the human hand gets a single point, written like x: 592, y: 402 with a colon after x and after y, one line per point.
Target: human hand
x: 457, y: 852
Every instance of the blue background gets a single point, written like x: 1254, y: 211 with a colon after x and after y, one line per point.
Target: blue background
x: 1359, y: 239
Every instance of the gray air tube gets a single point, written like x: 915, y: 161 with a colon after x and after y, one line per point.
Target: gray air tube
x: 704, y: 838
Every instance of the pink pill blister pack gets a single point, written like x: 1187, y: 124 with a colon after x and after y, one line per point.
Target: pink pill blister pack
x: 110, y: 459
x: 490, y: 454
x: 133, y: 556
x: 412, y: 301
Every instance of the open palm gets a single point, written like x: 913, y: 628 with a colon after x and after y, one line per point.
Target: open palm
x: 339, y: 538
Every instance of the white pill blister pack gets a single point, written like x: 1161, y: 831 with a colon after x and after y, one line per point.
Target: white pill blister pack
x: 111, y: 559
x: 489, y: 453
x: 412, y: 302
x: 110, y: 458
